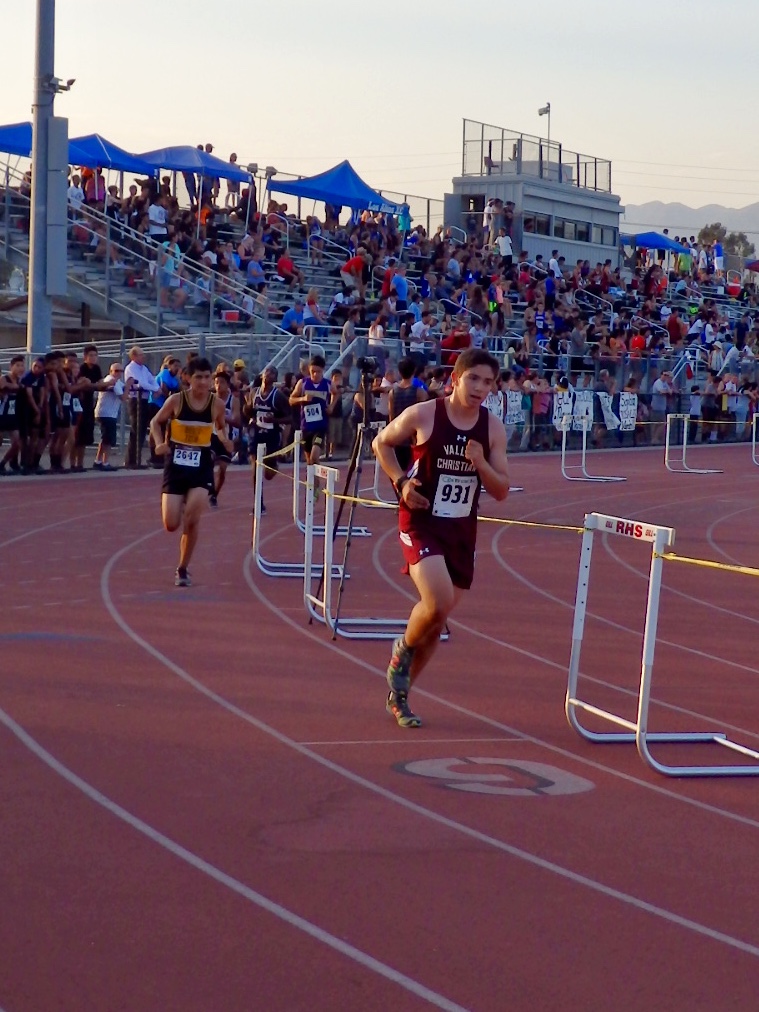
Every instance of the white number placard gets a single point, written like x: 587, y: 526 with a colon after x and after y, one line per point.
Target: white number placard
x: 454, y: 496
x: 313, y: 413
x: 186, y: 458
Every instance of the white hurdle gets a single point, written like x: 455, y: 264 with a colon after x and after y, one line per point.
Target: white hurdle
x: 659, y: 538
x: 357, y: 532
x: 320, y: 608
x: 754, y: 456
x: 566, y: 425
x: 267, y: 567
x: 681, y: 466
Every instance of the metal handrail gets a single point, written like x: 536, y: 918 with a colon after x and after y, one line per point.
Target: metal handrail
x: 450, y: 229
x: 651, y: 326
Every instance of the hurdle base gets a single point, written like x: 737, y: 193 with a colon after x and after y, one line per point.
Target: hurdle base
x: 641, y: 737
x: 680, y: 466
x: 581, y: 467
x: 366, y: 628
x: 341, y: 532
x: 296, y: 570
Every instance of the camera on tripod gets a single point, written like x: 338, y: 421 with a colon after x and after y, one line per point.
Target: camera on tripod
x: 368, y: 365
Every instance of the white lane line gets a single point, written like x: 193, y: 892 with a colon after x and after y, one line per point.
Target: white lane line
x: 288, y: 916
x: 396, y: 799
x: 414, y: 740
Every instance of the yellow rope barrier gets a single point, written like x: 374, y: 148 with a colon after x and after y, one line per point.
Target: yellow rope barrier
x: 708, y: 564
x: 490, y: 520
x: 528, y: 523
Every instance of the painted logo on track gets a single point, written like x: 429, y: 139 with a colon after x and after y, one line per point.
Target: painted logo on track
x: 520, y: 778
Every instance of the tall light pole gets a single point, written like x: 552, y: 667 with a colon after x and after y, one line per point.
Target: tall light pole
x: 47, y: 239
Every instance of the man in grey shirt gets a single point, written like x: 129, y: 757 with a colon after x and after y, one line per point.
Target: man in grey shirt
x: 661, y: 391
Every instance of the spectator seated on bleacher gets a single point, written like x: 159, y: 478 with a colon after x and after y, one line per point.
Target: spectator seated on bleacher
x: 290, y: 274
x: 255, y: 275
x: 292, y: 319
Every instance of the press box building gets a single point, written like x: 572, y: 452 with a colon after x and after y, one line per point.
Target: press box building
x: 562, y: 199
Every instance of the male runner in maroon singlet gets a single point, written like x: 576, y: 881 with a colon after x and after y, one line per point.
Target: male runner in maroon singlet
x: 458, y: 446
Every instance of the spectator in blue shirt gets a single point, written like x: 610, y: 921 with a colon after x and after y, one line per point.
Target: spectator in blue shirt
x: 399, y: 285
x: 168, y: 380
x: 292, y: 320
x: 255, y: 274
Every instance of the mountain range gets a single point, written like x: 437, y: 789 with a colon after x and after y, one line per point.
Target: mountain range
x: 679, y: 218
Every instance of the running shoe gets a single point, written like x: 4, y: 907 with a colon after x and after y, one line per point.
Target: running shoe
x: 213, y: 502
x: 398, y: 670
x: 397, y: 705
x: 182, y: 578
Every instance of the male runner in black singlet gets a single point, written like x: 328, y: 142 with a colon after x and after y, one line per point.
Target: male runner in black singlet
x: 457, y: 446
x: 266, y: 408
x: 182, y: 432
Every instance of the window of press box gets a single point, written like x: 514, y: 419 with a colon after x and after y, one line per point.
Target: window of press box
x: 578, y: 231
x: 539, y: 224
x: 604, y: 236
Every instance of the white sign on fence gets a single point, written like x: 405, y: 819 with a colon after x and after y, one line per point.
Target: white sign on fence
x: 628, y: 411
x: 514, y: 409
x: 583, y: 410
x: 562, y: 406
x: 610, y: 419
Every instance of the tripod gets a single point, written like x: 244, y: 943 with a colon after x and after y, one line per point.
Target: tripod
x: 361, y: 450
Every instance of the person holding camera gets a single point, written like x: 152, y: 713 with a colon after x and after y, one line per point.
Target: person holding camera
x: 457, y: 447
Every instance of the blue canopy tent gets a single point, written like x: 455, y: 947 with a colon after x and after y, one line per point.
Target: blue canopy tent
x: 16, y: 139
x: 91, y: 150
x: 338, y: 185
x: 94, y: 150
x: 189, y: 159
x: 652, y: 240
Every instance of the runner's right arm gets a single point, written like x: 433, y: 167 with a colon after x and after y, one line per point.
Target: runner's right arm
x: 158, y: 425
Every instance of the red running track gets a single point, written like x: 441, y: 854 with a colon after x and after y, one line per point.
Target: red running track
x: 207, y: 808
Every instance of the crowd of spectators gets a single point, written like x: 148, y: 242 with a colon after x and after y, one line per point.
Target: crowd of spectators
x: 429, y: 296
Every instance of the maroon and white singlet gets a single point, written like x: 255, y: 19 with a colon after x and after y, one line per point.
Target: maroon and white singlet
x: 452, y: 486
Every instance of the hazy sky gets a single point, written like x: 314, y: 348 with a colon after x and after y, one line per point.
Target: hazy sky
x: 664, y: 90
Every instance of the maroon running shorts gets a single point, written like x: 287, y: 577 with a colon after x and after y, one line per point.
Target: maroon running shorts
x: 458, y: 555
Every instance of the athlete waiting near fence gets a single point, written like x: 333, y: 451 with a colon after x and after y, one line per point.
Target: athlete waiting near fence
x: 182, y: 432
x: 266, y: 408
x: 457, y: 447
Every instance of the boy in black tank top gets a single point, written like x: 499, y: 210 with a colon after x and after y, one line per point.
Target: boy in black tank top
x: 222, y: 456
x: 182, y: 432
x: 10, y: 388
x: 457, y: 447
x: 403, y: 395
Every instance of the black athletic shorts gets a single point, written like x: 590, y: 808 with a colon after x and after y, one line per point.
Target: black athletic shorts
x: 312, y: 439
x: 181, y: 478
x: 271, y: 439
x: 9, y: 423
x: 85, y: 428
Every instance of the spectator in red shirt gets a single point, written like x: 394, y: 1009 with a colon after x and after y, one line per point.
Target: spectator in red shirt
x: 352, y: 272
x: 387, y: 278
x: 289, y: 273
